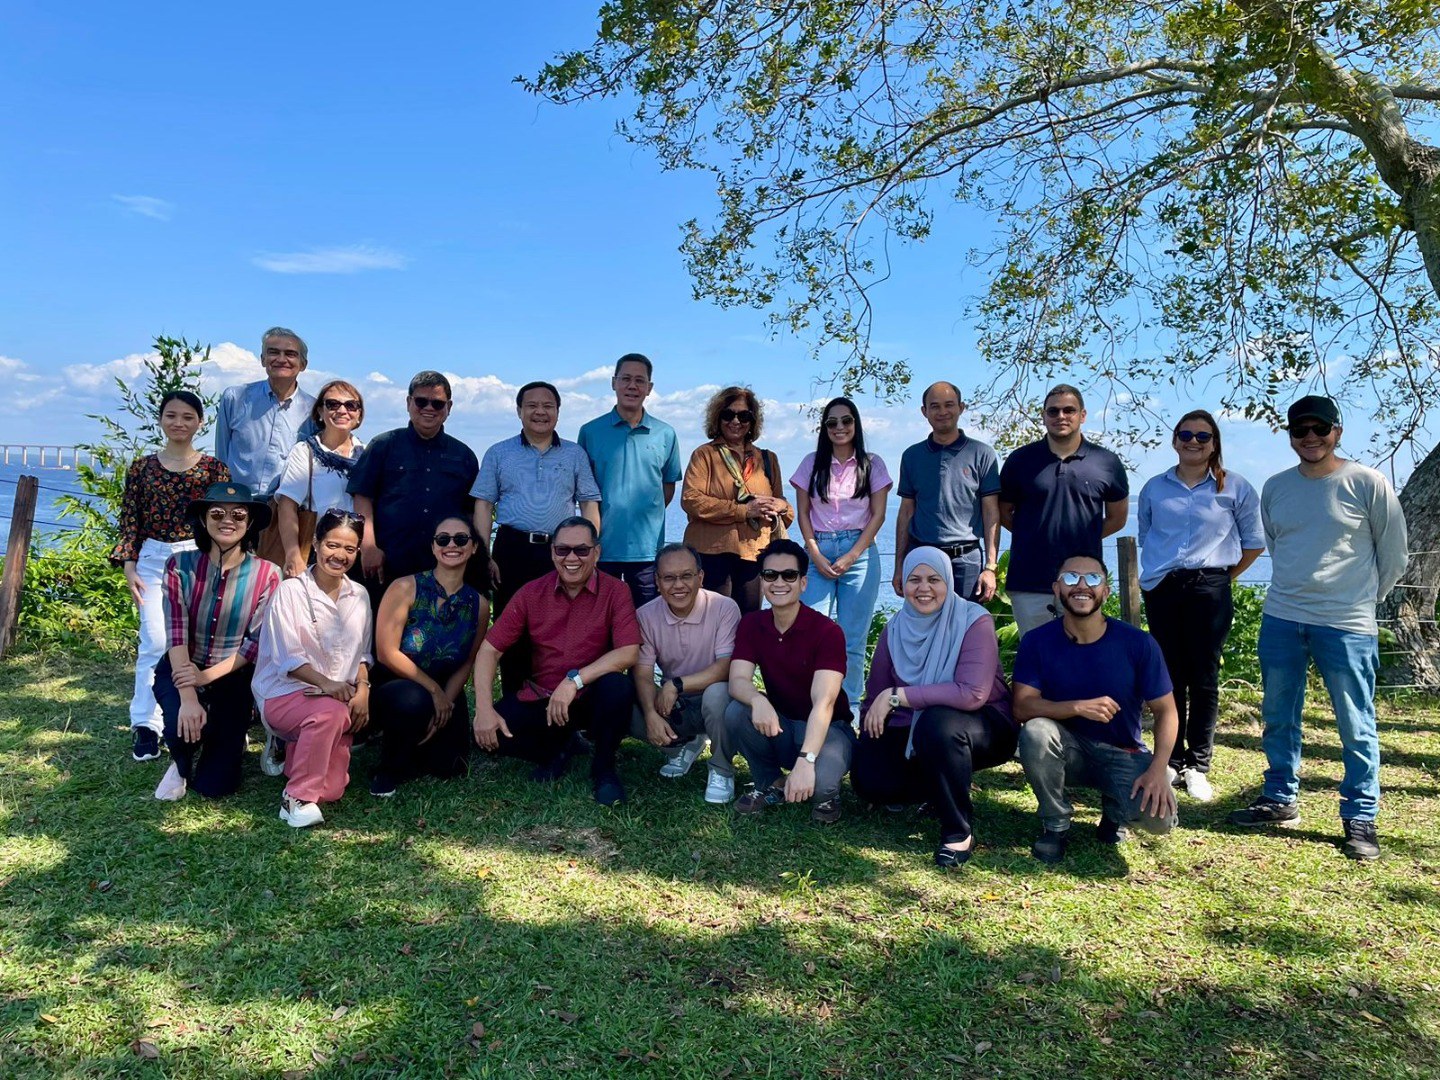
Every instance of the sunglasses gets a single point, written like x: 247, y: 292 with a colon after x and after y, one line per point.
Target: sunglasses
x: 566, y: 550
x: 839, y: 421
x: 1090, y: 577
x: 1319, y: 427
x: 460, y: 540
x: 1202, y: 437
x: 335, y: 404
x: 439, y: 404
x: 743, y: 415
x: 343, y: 517
x: 238, y: 514
x: 784, y: 575
x: 1061, y: 410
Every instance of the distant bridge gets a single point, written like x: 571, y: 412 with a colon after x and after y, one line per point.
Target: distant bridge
x: 44, y: 457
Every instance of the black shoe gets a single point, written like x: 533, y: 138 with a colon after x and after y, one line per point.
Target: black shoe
x: 953, y: 858
x: 1111, y: 832
x: 827, y: 812
x: 383, y: 784
x: 553, y: 769
x: 608, y: 789
x: 758, y: 800
x: 1050, y: 848
x: 145, y: 746
x: 1360, y: 842
x: 1264, y: 812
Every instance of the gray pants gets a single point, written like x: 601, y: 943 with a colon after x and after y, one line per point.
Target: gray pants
x: 701, y: 713
x: 1031, y: 609
x: 1055, y: 758
x: 768, y: 756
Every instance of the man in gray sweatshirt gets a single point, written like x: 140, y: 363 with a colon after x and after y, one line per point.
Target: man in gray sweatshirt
x: 1336, y: 536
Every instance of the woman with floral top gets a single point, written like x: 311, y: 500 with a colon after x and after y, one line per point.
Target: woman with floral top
x: 154, y: 525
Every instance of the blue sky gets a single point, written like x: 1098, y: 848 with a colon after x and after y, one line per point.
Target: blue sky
x: 372, y: 177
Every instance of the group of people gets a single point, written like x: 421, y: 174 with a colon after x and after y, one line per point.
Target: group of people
x: 297, y: 570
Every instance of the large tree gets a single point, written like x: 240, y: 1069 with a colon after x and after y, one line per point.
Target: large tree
x: 1230, y: 195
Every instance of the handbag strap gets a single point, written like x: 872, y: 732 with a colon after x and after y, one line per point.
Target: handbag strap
x: 310, y: 483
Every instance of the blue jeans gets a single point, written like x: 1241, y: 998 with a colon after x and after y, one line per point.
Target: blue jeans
x: 849, y: 600
x: 1347, y: 663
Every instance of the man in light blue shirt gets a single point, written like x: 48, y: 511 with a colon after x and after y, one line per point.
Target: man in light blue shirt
x: 636, y: 459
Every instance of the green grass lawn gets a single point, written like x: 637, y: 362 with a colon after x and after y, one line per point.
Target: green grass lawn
x: 493, y: 927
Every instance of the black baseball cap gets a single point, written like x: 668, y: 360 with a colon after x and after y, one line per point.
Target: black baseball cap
x: 1314, y: 407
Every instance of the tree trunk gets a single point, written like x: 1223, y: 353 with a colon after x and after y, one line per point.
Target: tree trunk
x: 1409, y: 611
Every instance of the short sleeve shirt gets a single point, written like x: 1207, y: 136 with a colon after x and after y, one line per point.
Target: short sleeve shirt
x: 1059, y: 508
x: 631, y: 466
x: 788, y: 661
x: 534, y: 490
x: 947, y: 484
x: 841, y: 511
x: 1125, y: 664
x: 680, y: 647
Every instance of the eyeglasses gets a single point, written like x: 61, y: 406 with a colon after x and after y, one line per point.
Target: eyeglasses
x: 335, y: 404
x: 439, y: 404
x: 289, y: 354
x: 238, y: 514
x: 1090, y: 577
x: 678, y: 579
x: 1202, y: 437
x: 784, y: 575
x: 460, y: 540
x: 1053, y: 411
x: 1319, y: 427
x: 834, y: 422
x: 566, y: 550
x: 743, y: 415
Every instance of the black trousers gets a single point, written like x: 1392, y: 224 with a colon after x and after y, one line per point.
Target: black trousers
x: 520, y: 562
x: 1190, y: 613
x: 950, y: 746
x: 400, y: 714
x: 602, y: 711
x: 732, y: 576
x: 211, y: 764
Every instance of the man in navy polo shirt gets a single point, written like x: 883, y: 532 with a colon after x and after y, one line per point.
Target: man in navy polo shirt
x: 636, y: 460
x: 949, y: 497
x: 1079, y: 684
x: 1059, y: 496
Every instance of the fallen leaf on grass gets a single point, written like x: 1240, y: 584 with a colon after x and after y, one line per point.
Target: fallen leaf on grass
x: 317, y: 1057
x: 981, y: 1047
x: 483, y: 872
x: 1372, y: 1018
x: 50, y: 1018
x: 143, y: 1048
x: 102, y: 886
x: 495, y: 1044
x: 563, y: 1016
x: 809, y: 967
x: 1311, y: 1055
x: 340, y: 1010
x: 477, y: 1030
x: 406, y: 949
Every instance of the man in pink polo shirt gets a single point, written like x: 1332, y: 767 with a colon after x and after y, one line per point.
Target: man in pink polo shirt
x: 688, y: 633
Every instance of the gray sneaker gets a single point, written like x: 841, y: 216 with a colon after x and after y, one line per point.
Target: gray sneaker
x: 684, y: 757
x: 1360, y: 840
x: 1263, y: 812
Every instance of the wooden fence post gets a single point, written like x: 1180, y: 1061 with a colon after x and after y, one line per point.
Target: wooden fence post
x: 1129, y: 579
x: 17, y: 551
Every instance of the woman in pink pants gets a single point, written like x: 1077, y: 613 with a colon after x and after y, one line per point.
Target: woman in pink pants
x: 312, y: 678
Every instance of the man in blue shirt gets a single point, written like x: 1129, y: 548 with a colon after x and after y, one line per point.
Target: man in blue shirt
x: 1059, y: 496
x: 257, y: 424
x: 636, y: 460
x: 949, y: 497
x: 1080, y: 683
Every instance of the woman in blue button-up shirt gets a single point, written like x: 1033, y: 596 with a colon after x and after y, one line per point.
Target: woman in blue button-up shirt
x: 1199, y: 531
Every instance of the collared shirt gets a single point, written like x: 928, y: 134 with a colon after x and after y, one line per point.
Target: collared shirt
x: 414, y: 484
x: 947, y: 484
x: 1059, y: 508
x: 788, y: 661
x: 304, y: 626
x: 680, y: 647
x: 156, y: 502
x: 632, y: 465
x: 255, y: 430
x: 841, y: 511
x: 216, y: 613
x: 565, y: 632
x: 1195, y: 528
x: 534, y: 490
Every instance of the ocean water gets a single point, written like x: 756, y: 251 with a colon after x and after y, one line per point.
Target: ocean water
x: 55, y: 483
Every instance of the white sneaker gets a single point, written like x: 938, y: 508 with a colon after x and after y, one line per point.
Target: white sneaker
x: 1197, y: 785
x: 681, y: 761
x: 1171, y: 776
x: 272, y: 758
x: 172, y: 785
x: 720, y: 789
x: 299, y: 814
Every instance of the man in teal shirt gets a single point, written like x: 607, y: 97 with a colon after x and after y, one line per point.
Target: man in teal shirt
x: 636, y: 461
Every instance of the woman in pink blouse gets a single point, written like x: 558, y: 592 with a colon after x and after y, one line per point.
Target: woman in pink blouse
x: 936, y: 705
x: 155, y: 524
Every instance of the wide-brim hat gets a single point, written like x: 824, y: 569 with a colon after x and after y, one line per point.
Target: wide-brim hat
x: 231, y: 493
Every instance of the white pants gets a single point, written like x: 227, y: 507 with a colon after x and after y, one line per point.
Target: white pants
x: 1031, y: 609
x: 151, y: 569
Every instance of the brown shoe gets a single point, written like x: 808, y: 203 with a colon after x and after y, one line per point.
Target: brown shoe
x: 757, y: 801
x: 827, y: 812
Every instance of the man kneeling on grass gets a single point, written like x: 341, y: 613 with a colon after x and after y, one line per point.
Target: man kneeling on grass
x: 801, y: 656
x: 1079, y: 685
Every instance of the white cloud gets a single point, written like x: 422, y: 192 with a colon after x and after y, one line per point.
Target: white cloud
x: 599, y: 374
x: 333, y: 260
x: 146, y: 206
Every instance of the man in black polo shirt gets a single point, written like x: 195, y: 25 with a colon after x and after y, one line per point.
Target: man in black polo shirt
x: 1060, y: 496
x: 406, y: 482
x: 949, y: 497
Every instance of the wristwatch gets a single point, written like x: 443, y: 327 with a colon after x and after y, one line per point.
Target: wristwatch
x: 894, y: 701
x: 810, y: 757
x: 574, y: 676
x: 679, y: 684
x: 992, y: 566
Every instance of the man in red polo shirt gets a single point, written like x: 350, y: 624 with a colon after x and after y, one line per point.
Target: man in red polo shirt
x: 581, y: 629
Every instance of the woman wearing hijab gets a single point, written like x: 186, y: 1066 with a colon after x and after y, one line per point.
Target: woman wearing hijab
x: 937, y: 707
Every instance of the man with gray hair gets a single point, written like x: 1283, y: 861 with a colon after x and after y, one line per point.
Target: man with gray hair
x: 257, y: 424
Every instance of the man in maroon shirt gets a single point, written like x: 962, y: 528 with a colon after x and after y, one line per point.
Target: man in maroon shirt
x: 582, y: 633
x: 801, y: 656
